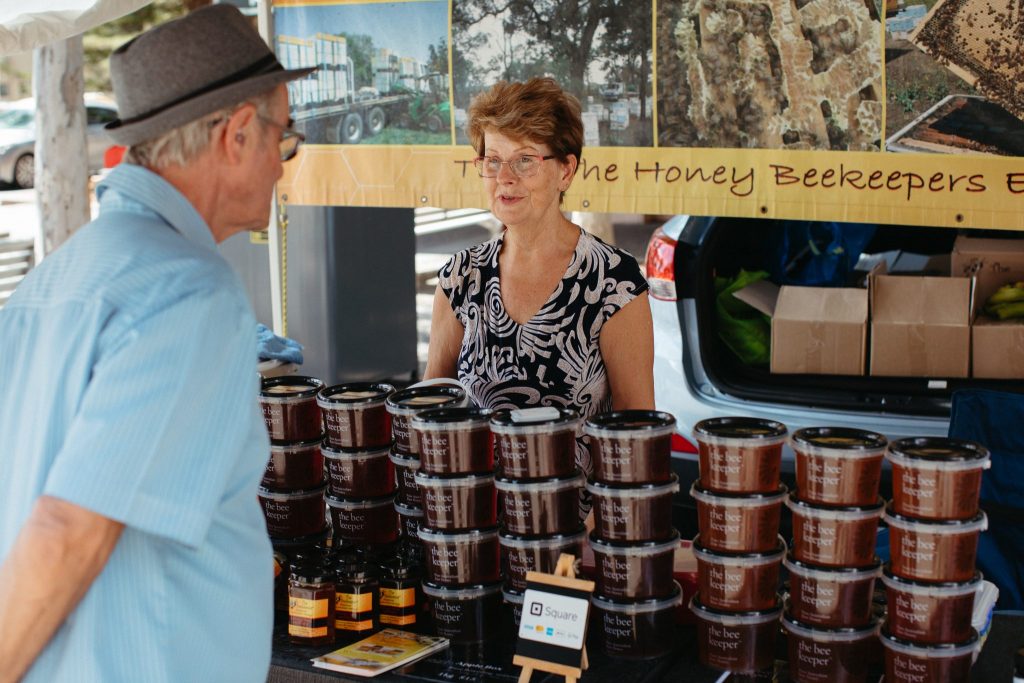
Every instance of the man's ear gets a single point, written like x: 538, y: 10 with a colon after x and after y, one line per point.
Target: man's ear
x: 239, y: 133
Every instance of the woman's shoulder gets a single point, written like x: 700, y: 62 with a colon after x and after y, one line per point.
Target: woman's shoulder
x: 610, y: 260
x: 474, y: 258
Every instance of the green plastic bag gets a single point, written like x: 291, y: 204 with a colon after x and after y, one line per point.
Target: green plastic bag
x: 745, y: 330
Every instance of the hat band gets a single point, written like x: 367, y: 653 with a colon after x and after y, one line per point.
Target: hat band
x: 265, y: 65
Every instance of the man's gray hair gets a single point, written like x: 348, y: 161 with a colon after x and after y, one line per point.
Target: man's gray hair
x: 182, y: 145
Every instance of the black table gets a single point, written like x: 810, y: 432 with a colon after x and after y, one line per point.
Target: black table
x: 493, y: 662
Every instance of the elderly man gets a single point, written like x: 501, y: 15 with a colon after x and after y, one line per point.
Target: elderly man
x: 132, y: 544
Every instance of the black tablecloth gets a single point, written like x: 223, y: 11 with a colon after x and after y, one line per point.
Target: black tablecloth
x: 493, y: 663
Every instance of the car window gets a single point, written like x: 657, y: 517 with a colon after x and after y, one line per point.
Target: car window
x: 96, y: 115
x: 16, y: 118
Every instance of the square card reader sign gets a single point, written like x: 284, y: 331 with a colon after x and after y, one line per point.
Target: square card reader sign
x: 554, y: 619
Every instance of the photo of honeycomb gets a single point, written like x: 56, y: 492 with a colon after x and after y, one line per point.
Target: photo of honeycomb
x: 777, y: 74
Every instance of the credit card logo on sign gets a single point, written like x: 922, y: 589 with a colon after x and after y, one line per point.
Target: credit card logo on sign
x: 554, y: 619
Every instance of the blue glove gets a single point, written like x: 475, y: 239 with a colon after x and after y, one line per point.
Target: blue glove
x: 271, y: 347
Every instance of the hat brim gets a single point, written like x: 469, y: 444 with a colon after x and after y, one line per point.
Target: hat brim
x: 168, y: 119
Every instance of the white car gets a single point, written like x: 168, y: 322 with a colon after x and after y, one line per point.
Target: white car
x: 17, y: 137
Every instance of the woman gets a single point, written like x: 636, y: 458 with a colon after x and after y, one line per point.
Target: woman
x: 545, y: 314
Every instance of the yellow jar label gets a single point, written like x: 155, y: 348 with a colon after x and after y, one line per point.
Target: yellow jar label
x: 353, y: 602
x: 347, y: 625
x: 307, y: 631
x: 308, y: 609
x: 396, y: 620
x: 397, y: 597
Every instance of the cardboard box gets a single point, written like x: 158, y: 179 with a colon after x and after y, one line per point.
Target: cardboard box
x: 997, y: 346
x: 921, y: 326
x: 815, y: 330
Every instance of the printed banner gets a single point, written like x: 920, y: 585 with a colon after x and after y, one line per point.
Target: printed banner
x: 816, y: 109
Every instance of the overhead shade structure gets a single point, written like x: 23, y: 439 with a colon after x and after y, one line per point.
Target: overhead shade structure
x: 28, y: 25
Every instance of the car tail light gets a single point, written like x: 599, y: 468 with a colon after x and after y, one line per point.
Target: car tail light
x: 680, y: 444
x: 661, y: 276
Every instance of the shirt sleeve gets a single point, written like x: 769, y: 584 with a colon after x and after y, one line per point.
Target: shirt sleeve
x: 454, y: 279
x: 628, y: 282
x: 166, y: 420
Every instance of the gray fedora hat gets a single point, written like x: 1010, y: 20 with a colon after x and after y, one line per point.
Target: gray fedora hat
x: 184, y: 69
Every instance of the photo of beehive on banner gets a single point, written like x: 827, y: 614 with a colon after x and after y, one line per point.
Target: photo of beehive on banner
x: 980, y: 41
x: 777, y: 74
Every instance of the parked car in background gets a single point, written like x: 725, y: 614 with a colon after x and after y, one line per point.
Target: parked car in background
x: 697, y: 376
x: 17, y: 137
x: 611, y: 91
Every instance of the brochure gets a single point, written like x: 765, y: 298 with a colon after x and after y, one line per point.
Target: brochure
x: 380, y: 652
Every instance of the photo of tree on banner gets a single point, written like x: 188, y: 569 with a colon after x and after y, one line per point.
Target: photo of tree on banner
x: 954, y: 77
x: 382, y: 76
x: 775, y: 74
x: 599, y: 50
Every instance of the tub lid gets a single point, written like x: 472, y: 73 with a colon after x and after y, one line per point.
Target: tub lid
x: 942, y: 588
x: 632, y: 549
x: 512, y: 596
x: 633, y: 490
x: 845, y: 440
x: 445, y: 418
x: 479, y: 590
x: 832, y: 512
x: 837, y: 573
x: 573, y: 481
x: 404, y: 459
x: 354, y: 453
x: 525, y: 421
x: 752, y: 558
x: 625, y: 423
x: 417, y: 399
x: 408, y: 510
x: 552, y: 541
x: 704, y: 495
x: 639, y: 606
x: 289, y: 386
x: 821, y: 633
x: 751, y: 430
x: 935, y: 651
x: 360, y: 394
x: 456, y: 480
x: 464, y: 536
x: 941, y: 526
x: 289, y: 544
x: 938, y: 450
x: 264, y: 492
x: 379, y: 501
x: 277, y: 445
x: 734, y: 618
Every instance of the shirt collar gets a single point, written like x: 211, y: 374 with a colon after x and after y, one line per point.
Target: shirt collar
x: 156, y: 194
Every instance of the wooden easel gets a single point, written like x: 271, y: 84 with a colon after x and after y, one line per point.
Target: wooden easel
x: 565, y: 576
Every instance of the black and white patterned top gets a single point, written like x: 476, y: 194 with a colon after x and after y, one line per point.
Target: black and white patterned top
x: 555, y: 358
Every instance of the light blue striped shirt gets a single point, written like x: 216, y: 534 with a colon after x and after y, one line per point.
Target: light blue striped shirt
x: 128, y: 386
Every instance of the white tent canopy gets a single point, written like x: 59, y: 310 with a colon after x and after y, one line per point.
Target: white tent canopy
x: 28, y: 25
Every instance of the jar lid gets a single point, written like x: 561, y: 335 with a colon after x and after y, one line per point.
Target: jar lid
x: 312, y: 574
x: 599, y: 488
x: 576, y: 480
x: 464, y: 536
x: 355, y: 571
x: 525, y: 421
x: 359, y: 503
x: 839, y: 512
x: 740, y: 429
x: 277, y: 445
x: 627, y: 423
x: 939, y: 453
x: 800, y: 568
x: 452, y: 480
x: 703, y: 495
x: 542, y: 542
x: 633, y: 549
x: 471, y: 592
x: 399, y: 567
x: 452, y: 418
x: 929, y: 651
x: 843, y: 439
x: 300, y: 494
x: 936, y: 526
x: 945, y: 588
x: 639, y: 606
x: 825, y: 634
x: 355, y: 394
x: 289, y: 387
x: 417, y: 399
x: 750, y: 559
x: 301, y: 542
x: 735, y: 618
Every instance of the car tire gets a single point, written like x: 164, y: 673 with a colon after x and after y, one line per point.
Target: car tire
x: 25, y: 171
x: 375, y: 120
x: 350, y: 131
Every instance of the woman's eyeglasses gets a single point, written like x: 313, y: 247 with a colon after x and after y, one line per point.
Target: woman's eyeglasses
x: 524, y: 165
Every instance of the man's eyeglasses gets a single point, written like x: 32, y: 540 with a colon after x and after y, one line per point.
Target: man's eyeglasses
x: 290, y: 139
x: 524, y: 165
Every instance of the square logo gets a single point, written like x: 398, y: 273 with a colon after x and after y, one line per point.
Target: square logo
x: 536, y: 609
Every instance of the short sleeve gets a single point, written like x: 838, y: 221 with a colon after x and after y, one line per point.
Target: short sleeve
x: 167, y: 419
x: 626, y: 281
x: 453, y: 278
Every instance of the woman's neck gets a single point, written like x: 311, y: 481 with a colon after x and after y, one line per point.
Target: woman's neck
x: 540, y: 237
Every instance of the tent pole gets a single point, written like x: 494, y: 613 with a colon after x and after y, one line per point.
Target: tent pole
x: 265, y: 23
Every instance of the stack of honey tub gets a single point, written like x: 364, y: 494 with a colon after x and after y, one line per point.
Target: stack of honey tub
x: 931, y: 582
x: 459, y: 533
x: 633, y: 540
x: 738, y: 548
x: 831, y: 632
x: 538, y: 495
